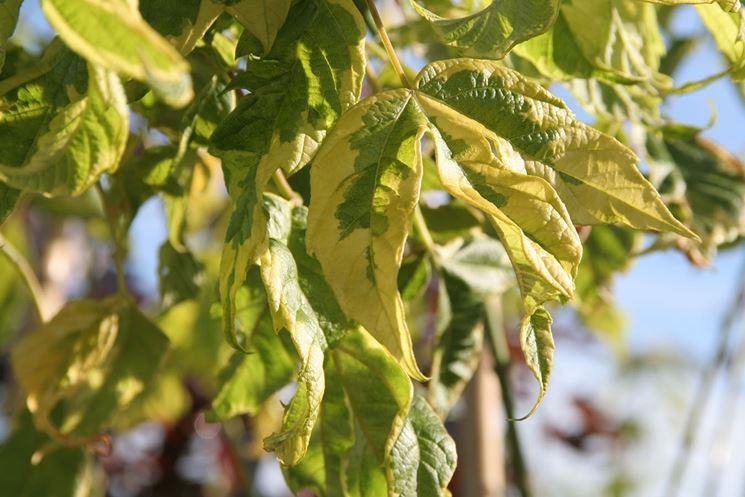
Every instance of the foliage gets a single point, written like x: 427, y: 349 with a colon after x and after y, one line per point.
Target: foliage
x: 354, y: 187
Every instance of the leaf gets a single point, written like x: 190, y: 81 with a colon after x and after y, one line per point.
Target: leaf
x: 291, y: 309
x: 537, y: 343
x: 61, y: 130
x: 476, y: 270
x: 112, y: 34
x: 624, y: 44
x: 8, y: 200
x: 8, y: 18
x: 364, y: 187
x: 577, y: 160
x: 311, y: 75
x: 261, y: 18
x: 424, y: 455
x: 181, y: 275
x: 87, y: 365
x: 60, y: 472
x: 727, y: 31
x: 250, y: 379
x: 182, y: 22
x: 728, y: 5
x: 496, y: 29
x: 366, y: 400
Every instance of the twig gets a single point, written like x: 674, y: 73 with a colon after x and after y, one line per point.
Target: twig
x: 284, y: 187
x: 388, y: 45
x: 497, y: 340
x: 24, y: 269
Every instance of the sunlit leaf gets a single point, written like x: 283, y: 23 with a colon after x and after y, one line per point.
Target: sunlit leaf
x: 112, y: 34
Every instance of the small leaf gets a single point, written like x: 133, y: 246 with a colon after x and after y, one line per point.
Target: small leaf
x: 60, y: 131
x: 86, y: 366
x: 537, y: 343
x: 261, y: 18
x: 183, y: 23
x: 495, y: 30
x: 424, y: 455
x: 112, y: 34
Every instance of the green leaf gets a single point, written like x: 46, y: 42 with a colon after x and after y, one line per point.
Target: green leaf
x: 537, y: 343
x: 624, y: 44
x: 181, y: 275
x: 728, y: 5
x: 476, y: 270
x: 366, y: 400
x: 261, y: 18
x: 86, y: 366
x: 112, y: 33
x: 595, y: 176
x: 424, y: 455
x: 250, y: 379
x: 182, y: 22
x: 61, y: 130
x: 727, y: 31
x: 8, y: 200
x: 297, y: 91
x: 496, y: 29
x: 8, y: 17
x: 33, y: 466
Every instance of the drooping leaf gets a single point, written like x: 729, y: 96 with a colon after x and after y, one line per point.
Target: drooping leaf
x: 61, y: 130
x: 86, y: 366
x: 60, y: 472
x: 8, y: 200
x: 366, y: 400
x: 537, y: 343
x: 250, y: 379
x: 297, y: 91
x: 578, y: 161
x: 112, y: 34
x: 727, y: 30
x: 8, y: 17
x: 424, y: 455
x: 495, y: 30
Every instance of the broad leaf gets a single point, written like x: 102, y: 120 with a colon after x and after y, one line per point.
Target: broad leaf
x: 727, y: 31
x: 8, y: 17
x: 577, y: 160
x: 424, y: 455
x: 496, y: 29
x: 112, y: 33
x: 297, y: 91
x: 366, y: 400
x: 33, y: 467
x: 86, y: 366
x: 728, y: 5
x: 61, y: 130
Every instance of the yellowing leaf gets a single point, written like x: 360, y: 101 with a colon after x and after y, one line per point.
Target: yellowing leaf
x: 496, y: 29
x: 537, y: 344
x: 86, y: 366
x: 61, y: 131
x: 111, y: 33
x: 311, y: 75
x: 595, y: 175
